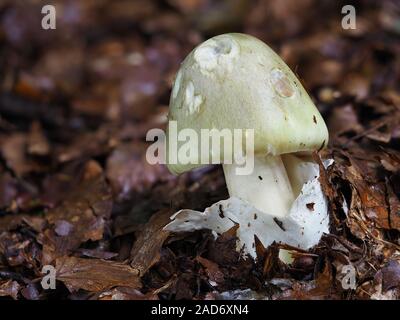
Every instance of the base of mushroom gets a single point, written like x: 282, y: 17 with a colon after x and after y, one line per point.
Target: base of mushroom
x: 273, y: 185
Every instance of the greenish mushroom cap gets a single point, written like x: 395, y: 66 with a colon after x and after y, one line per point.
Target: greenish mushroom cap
x: 236, y: 81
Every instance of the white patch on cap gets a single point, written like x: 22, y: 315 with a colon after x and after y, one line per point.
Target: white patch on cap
x: 281, y: 83
x: 216, y: 55
x: 192, y: 101
x: 177, y: 84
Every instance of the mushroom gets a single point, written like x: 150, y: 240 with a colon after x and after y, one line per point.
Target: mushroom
x: 235, y: 81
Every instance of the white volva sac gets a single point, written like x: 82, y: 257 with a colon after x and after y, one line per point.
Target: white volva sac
x: 235, y: 81
x: 302, y: 227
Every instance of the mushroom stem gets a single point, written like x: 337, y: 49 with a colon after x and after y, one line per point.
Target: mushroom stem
x: 267, y: 188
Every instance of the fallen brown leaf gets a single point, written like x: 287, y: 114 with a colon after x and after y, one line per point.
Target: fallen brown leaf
x: 146, y: 250
x: 81, y: 215
x: 9, y: 288
x: 95, y: 275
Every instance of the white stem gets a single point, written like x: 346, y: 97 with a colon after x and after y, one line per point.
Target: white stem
x: 267, y: 188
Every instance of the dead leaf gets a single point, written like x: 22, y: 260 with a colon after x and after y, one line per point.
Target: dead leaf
x: 81, y: 215
x: 13, y: 149
x: 37, y: 143
x: 95, y: 275
x: 212, y: 270
x: 390, y: 275
x: 129, y: 171
x: 146, y: 249
x: 9, y: 288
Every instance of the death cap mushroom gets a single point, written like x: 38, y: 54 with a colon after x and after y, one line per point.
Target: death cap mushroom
x: 235, y: 81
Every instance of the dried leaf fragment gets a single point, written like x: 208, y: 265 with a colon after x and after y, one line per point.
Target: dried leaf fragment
x: 95, y: 275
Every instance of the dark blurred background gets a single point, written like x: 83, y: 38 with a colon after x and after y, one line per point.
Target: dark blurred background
x: 115, y: 60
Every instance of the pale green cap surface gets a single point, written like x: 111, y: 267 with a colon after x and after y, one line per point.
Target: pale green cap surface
x: 236, y: 81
